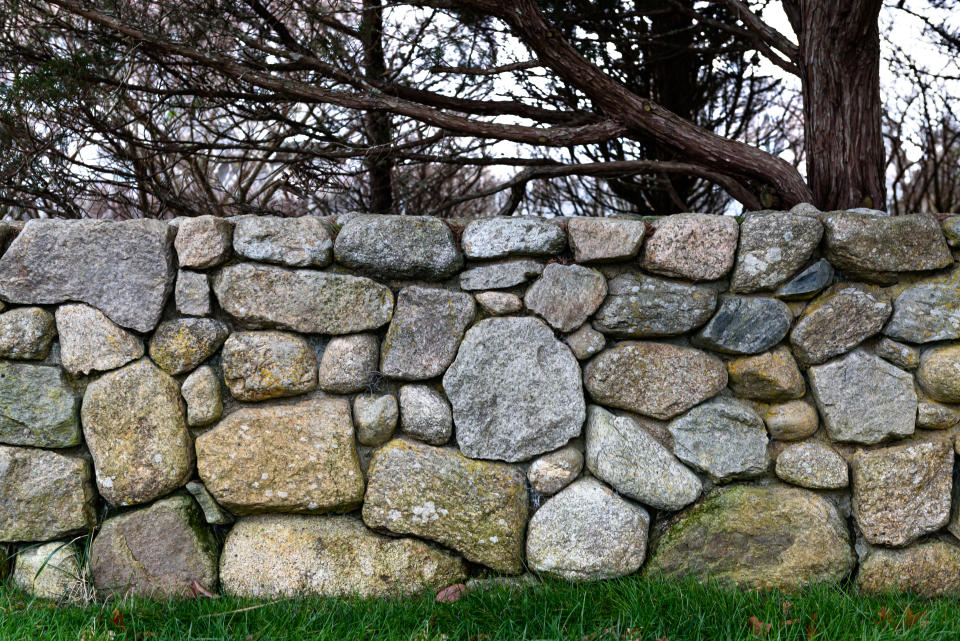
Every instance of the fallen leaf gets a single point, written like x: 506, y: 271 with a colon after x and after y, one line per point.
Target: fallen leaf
x: 910, y: 618
x: 812, y: 627
x: 199, y: 590
x: 787, y: 606
x: 117, y: 619
x: 451, y: 593
x: 883, y: 616
x: 758, y: 627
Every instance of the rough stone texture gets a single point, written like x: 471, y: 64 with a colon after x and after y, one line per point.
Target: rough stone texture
x: 124, y: 269
x: 297, y: 556
x: 290, y: 458
x: 180, y: 345
x: 26, y: 333
x: 598, y: 240
x: 653, y: 379
x: 951, y: 231
x: 192, y: 293
x: 375, y: 418
x: 903, y: 356
x: 934, y: 416
x: 745, y: 325
x: 807, y: 283
x: 566, y: 295
x: 135, y: 429
x: 863, y: 398
x: 425, y: 414
x: 930, y: 569
x: 155, y: 551
x: 48, y: 571
x: 837, y: 321
x: 756, y: 537
x: 928, y: 310
x: 939, y: 373
x: 500, y: 237
x: 724, y: 438
x: 585, y: 342
x: 478, y: 509
x: 554, y: 471
x: 814, y: 465
x: 500, y: 275
x: 418, y: 247
x: 262, y: 365
x: 44, y: 495
x: 903, y: 492
x: 89, y: 341
x: 640, y: 306
x: 312, y: 302
x: 515, y: 390
x: 296, y: 242
x: 425, y: 331
x: 791, y: 421
x: 203, y: 241
x: 771, y: 376
x: 692, y: 246
x: 499, y: 303
x: 773, y: 247
x: 349, y: 363
x: 621, y: 453
x: 586, y: 532
x: 862, y: 243
x: 37, y: 407
x: 201, y: 391
x: 212, y: 512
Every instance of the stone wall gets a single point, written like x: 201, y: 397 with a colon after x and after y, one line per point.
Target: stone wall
x: 377, y: 405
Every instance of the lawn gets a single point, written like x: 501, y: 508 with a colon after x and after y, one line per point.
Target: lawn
x: 621, y: 610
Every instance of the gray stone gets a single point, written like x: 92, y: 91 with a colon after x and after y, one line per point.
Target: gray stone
x: 312, y: 302
x: 951, y: 231
x: 262, y: 365
x: 773, y: 247
x: 201, y: 391
x: 500, y: 237
x: 587, y: 533
x: 837, y: 321
x: 691, y: 246
x: 192, y: 293
x: 640, y: 306
x: 26, y: 333
x: 724, y: 438
x: 901, y: 493
x: 745, y: 325
x: 499, y: 303
x: 515, y: 390
x: 791, y: 421
x: 814, y: 465
x: 375, y: 418
x: 554, y: 471
x: 417, y: 247
x: 939, y: 373
x: 296, y: 242
x: 180, y: 345
x: 425, y: 414
x: 930, y: 569
x: 585, y: 342
x: 48, y: 571
x: 928, y: 310
x: 864, y: 399
x: 566, y: 295
x: 89, y: 341
x: 426, y: 329
x: 596, y: 240
x: 203, y: 241
x: 863, y: 243
x: 621, y: 453
x: 37, y: 407
x: 804, y: 209
x: 935, y: 416
x: 903, y: 356
x: 500, y: 275
x: 807, y: 283
x: 771, y: 376
x: 349, y: 363
x: 654, y: 379
x: 212, y: 512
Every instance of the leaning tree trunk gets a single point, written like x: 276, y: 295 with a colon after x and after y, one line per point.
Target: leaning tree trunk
x: 839, y: 65
x: 379, y: 159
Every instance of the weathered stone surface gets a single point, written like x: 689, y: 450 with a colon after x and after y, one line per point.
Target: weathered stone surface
x: 837, y: 321
x: 124, y: 269
x: 192, y: 293
x: 499, y: 237
x: 44, y: 495
x: 425, y: 414
x: 814, y: 465
x: 298, y: 556
x: 203, y: 241
x: 418, y: 247
x: 201, y: 391
x: 554, y: 471
x: 939, y: 373
x: 26, y: 333
x: 425, y: 331
x: 807, y: 283
x: 745, y: 325
x: 773, y: 247
x: 862, y: 243
x: 155, y: 551
x: 585, y: 342
x: 756, y: 537
x: 586, y: 532
x: 724, y: 438
x: 48, y: 571
x: 791, y: 421
x: 37, y: 407
x: 212, y: 512
x: 89, y: 341
x: 596, y: 240
x: 515, y: 390
x: 478, y: 509
x: 653, y: 379
x: 640, y: 306
x: 180, y: 345
x: 863, y: 398
x: 771, y: 376
x: 302, y: 300
x: 621, y: 453
x: 262, y: 365
x: 928, y: 310
x: 135, y: 429
x: 349, y: 363
x: 934, y: 416
x: 290, y: 458
x: 566, y: 295
x: 692, y: 246
x: 930, y: 569
x: 375, y: 418
x: 951, y: 231
x: 903, y: 356
x: 499, y: 303
x: 500, y: 275
x: 297, y: 242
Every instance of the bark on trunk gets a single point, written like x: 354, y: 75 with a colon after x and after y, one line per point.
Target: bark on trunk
x: 379, y: 159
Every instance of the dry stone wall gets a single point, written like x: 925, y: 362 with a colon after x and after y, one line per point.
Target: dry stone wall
x: 377, y: 405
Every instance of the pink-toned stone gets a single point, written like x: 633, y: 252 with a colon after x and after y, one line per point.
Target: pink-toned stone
x: 693, y: 246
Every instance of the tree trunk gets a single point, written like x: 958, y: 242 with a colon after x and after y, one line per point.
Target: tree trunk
x: 379, y: 159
